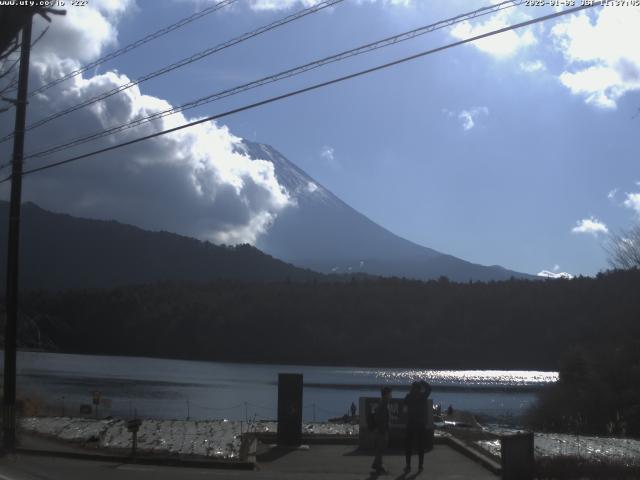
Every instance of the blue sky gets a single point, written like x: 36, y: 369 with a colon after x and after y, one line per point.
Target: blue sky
x: 521, y: 151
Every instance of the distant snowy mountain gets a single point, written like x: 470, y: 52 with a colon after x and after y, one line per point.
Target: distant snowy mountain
x: 325, y: 234
x: 548, y: 274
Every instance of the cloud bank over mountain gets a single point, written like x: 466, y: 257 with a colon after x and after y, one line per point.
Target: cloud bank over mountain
x: 194, y: 181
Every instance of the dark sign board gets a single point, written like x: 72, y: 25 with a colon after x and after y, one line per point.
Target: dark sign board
x: 289, y: 409
x: 134, y: 425
x: 517, y: 456
x: 397, y: 414
x: 397, y: 421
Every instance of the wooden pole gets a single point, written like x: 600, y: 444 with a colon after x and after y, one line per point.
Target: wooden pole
x: 11, y: 300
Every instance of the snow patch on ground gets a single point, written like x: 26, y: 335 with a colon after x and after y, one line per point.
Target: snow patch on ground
x: 558, y: 445
x: 210, y: 438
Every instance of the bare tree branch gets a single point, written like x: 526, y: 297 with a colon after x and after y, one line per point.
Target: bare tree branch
x: 624, y: 248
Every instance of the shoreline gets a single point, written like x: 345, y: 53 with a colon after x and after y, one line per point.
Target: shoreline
x: 422, y: 368
x: 478, y: 387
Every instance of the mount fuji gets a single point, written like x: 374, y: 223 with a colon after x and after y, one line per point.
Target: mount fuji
x: 323, y: 233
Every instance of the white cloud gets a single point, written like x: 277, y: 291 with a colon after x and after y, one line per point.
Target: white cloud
x: 602, y: 55
x: 597, y: 84
x: 554, y: 274
x: 501, y: 45
x: 591, y: 226
x: 195, y: 181
x: 80, y: 35
x: 633, y: 201
x: 395, y: 3
x: 280, y: 4
x: 328, y: 153
x: 533, y: 66
x: 468, y: 117
x: 612, y: 193
x: 311, y: 187
x: 260, y: 5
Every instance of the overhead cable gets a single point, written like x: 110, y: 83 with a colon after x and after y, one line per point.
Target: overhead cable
x: 308, y: 89
x: 278, y: 76
x: 131, y: 46
x: 181, y: 63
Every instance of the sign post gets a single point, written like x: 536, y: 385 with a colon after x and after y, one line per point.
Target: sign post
x: 96, y: 401
x: 133, y: 426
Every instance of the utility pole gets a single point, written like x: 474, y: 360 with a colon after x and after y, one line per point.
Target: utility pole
x: 11, y: 300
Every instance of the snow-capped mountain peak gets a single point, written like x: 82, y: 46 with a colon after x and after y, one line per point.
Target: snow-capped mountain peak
x: 549, y: 274
x: 323, y: 233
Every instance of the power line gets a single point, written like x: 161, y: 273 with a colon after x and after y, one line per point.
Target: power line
x: 127, y: 48
x: 310, y: 88
x: 181, y: 63
x: 280, y: 76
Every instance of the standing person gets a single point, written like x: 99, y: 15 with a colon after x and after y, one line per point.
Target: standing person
x: 416, y: 405
x: 381, y: 429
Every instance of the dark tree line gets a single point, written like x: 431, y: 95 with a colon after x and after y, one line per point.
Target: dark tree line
x: 598, y: 392
x: 587, y: 328
x: 513, y: 324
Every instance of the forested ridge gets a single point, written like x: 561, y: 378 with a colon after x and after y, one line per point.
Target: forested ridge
x: 84, y: 253
x: 515, y: 324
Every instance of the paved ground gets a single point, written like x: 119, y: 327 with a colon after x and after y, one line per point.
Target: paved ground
x: 340, y: 462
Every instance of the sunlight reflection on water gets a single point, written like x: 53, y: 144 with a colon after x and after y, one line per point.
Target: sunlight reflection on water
x: 468, y: 377
x: 177, y: 389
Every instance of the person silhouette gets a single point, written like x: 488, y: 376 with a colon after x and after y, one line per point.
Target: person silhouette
x: 416, y: 430
x: 381, y: 430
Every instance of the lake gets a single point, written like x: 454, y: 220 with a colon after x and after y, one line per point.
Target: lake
x: 177, y: 389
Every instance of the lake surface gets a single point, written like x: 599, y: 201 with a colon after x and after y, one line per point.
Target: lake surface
x: 175, y: 389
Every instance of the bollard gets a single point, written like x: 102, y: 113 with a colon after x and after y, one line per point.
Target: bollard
x: 517, y: 456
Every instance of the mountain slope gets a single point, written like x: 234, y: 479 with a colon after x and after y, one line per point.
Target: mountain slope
x: 60, y: 251
x: 325, y: 234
